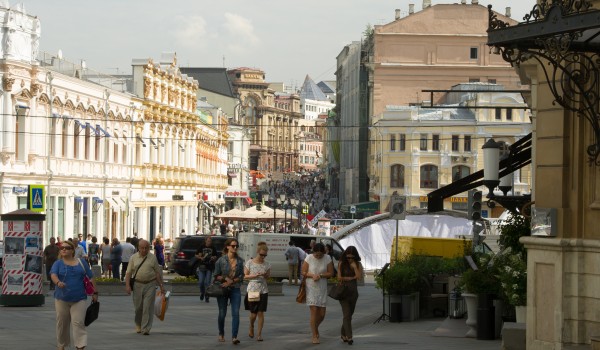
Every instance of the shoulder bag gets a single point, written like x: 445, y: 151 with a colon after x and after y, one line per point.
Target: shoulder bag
x: 215, y: 289
x: 87, y: 283
x: 132, y: 278
x: 338, y: 291
x: 301, y: 297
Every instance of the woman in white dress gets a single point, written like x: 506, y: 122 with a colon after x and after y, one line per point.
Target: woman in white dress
x: 257, y: 271
x: 317, y: 268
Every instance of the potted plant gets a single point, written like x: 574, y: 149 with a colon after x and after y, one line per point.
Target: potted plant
x: 400, y: 281
x: 513, y: 264
x: 480, y: 286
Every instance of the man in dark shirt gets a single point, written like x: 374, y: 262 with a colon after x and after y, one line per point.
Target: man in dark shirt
x: 206, y: 256
x: 115, y: 257
x: 50, y: 256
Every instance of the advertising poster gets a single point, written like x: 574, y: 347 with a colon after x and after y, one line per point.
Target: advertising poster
x: 33, y: 263
x: 14, y: 282
x: 32, y: 244
x: 13, y: 262
x: 14, y: 245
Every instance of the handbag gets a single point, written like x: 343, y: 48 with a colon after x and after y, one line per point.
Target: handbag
x: 87, y: 282
x: 301, y: 297
x: 132, y: 278
x: 161, y: 303
x: 216, y: 290
x: 91, y: 313
x: 338, y: 291
x: 253, y: 297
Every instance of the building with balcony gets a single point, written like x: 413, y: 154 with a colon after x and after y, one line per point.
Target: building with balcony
x: 117, y: 155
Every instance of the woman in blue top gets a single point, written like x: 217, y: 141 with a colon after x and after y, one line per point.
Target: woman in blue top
x: 229, y: 270
x: 69, y: 296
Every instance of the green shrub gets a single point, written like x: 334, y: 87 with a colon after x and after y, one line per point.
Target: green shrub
x: 189, y: 279
x: 484, y: 280
x: 107, y: 280
x: 400, y: 279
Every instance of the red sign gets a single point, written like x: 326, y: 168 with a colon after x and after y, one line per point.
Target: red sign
x: 237, y: 194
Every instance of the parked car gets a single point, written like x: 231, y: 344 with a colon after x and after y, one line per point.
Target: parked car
x: 185, y: 247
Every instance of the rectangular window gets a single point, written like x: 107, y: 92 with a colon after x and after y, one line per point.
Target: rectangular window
x: 474, y: 53
x: 455, y: 143
x: 474, y: 80
x: 498, y: 114
x: 402, y: 142
x: 467, y: 143
x: 86, y: 146
x: 509, y: 113
x: 392, y: 143
x: 435, y: 142
x: 423, y: 145
x: 492, y: 81
x: 97, y: 146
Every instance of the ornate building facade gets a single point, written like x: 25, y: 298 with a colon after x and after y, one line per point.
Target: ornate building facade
x: 273, y: 122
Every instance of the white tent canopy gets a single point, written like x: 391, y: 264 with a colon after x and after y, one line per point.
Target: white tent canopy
x: 374, y: 242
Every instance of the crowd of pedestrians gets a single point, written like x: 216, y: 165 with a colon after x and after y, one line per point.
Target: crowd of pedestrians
x: 142, y: 273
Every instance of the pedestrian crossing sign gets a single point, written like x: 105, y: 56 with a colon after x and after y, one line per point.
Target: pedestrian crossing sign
x: 35, y: 200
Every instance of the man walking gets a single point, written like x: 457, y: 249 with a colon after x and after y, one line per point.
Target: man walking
x: 128, y: 251
x: 50, y: 256
x: 115, y: 257
x: 147, y: 273
x: 291, y: 254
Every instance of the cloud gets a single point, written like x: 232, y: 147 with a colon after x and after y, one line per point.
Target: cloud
x: 191, y: 31
x: 240, y: 32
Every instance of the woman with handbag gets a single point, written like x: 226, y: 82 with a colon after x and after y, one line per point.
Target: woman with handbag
x: 68, y: 275
x: 317, y: 268
x: 349, y: 271
x: 257, y: 271
x: 229, y: 272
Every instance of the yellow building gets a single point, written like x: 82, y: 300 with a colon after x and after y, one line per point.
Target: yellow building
x: 416, y: 150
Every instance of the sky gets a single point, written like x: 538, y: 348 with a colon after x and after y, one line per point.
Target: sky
x: 286, y: 39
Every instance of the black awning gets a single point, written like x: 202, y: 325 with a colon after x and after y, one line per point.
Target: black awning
x: 581, y: 27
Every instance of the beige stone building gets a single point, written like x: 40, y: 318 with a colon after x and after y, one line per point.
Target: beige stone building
x: 410, y: 55
x: 563, y: 277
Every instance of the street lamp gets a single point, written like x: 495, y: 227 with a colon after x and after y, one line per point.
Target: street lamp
x: 293, y: 203
x: 491, y: 174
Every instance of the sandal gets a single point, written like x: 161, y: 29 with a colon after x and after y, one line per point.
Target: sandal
x: 315, y: 340
x: 222, y: 338
x: 259, y: 338
x: 344, y: 339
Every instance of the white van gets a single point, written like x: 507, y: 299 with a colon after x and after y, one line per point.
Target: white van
x: 278, y: 243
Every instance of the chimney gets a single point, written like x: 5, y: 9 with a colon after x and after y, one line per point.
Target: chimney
x: 411, y: 9
x: 507, y: 12
x: 475, y: 2
x: 426, y: 4
x: 397, y: 14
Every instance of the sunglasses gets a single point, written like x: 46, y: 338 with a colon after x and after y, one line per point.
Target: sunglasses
x: 233, y: 246
x: 263, y: 255
x: 66, y: 247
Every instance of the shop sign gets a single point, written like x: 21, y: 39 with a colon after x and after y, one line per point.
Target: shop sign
x: 458, y: 199
x: 237, y: 194
x: 19, y: 189
x: 177, y: 197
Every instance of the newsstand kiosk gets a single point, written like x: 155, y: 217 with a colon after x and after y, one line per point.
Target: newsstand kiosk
x: 22, y: 265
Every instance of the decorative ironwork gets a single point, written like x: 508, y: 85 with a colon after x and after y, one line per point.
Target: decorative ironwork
x: 567, y: 8
x: 565, y: 50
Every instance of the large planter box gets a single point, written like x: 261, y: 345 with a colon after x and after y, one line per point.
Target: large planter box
x: 404, y: 308
x: 111, y: 288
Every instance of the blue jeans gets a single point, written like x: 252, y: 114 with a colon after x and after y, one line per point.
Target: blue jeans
x: 204, y: 279
x: 236, y: 298
x: 115, y: 268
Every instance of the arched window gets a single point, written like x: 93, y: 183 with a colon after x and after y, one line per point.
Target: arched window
x: 397, y: 176
x: 429, y: 176
x: 460, y: 171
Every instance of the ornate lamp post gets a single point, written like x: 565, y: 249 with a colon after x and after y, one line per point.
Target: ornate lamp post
x: 491, y: 174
